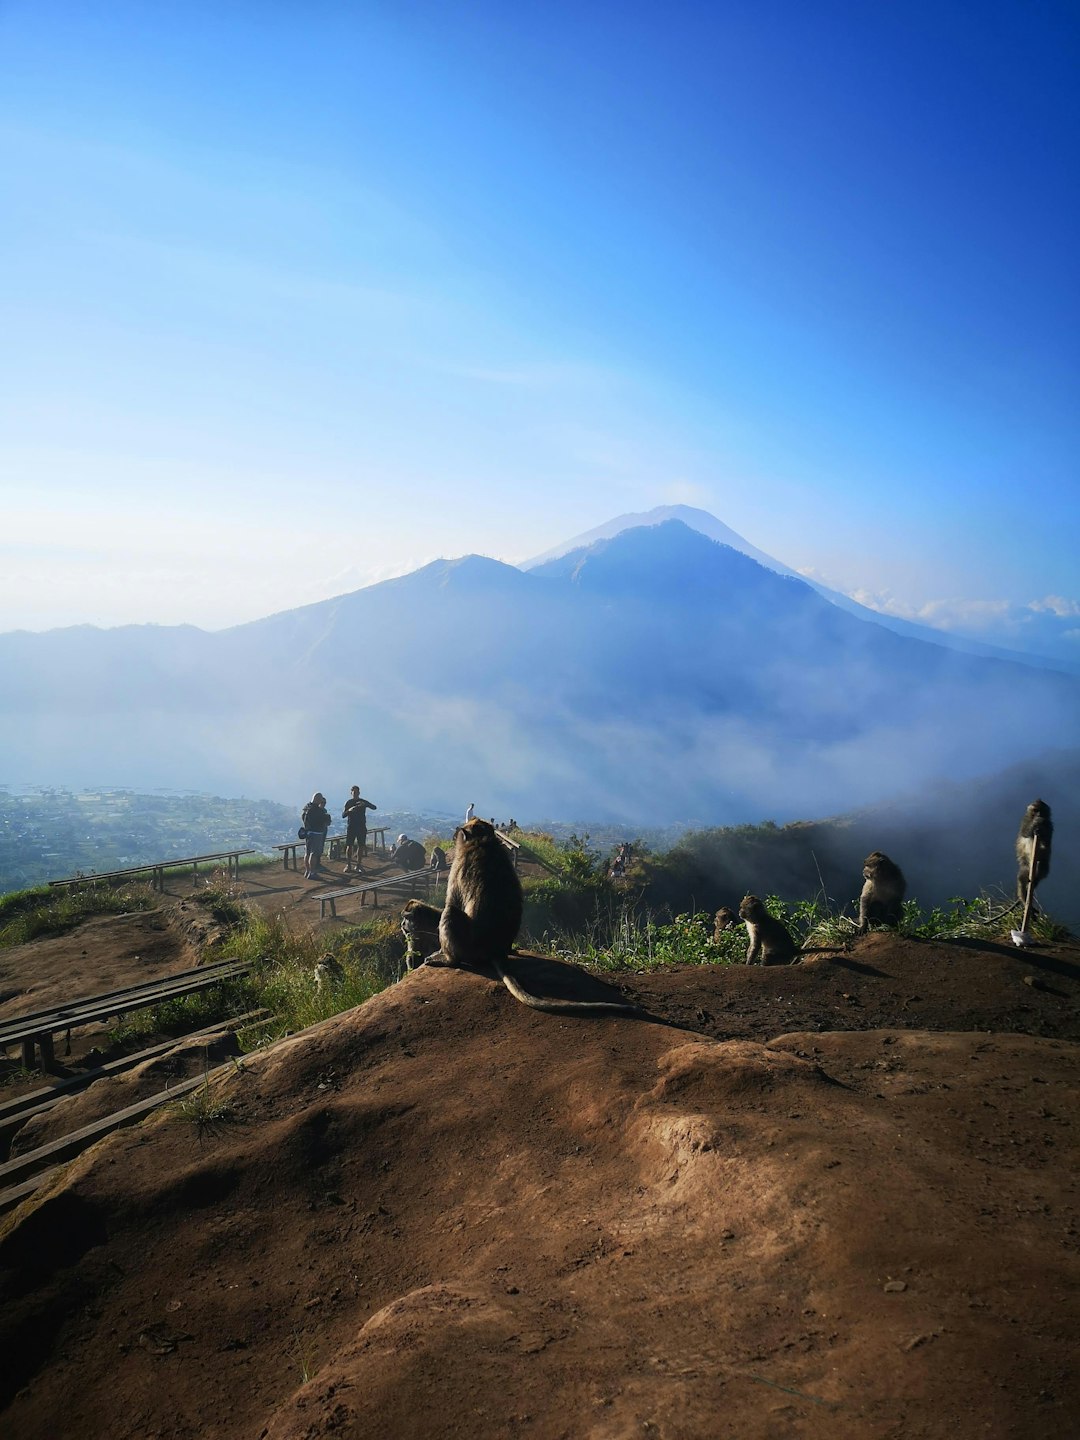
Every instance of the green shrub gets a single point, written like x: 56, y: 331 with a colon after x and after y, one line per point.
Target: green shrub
x: 29, y: 914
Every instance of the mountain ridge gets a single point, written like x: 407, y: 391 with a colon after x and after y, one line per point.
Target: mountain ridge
x: 709, y: 525
x: 653, y: 674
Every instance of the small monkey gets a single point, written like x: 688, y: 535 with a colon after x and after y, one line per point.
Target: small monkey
x: 726, y: 919
x: 328, y: 973
x: 882, y: 898
x: 482, y: 916
x: 768, y: 937
x: 420, y: 926
x: 1033, y: 843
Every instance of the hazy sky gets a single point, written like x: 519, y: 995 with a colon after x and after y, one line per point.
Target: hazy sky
x: 297, y: 296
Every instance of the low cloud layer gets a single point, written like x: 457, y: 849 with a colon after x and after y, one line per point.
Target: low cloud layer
x: 1049, y: 626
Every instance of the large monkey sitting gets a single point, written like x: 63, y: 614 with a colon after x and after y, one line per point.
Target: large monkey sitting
x: 482, y: 916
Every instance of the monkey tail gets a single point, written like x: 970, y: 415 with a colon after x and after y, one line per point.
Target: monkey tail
x: 565, y: 1007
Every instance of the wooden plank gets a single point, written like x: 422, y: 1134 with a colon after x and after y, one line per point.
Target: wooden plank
x: 36, y: 1102
x: 68, y: 1146
x: 164, y: 992
x: 85, y: 1012
x: 124, y: 991
x: 11, y: 1197
x: 155, y: 866
x: 409, y: 881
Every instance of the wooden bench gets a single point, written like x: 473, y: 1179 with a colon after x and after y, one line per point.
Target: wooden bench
x: 514, y: 846
x: 14, y: 1113
x: 39, y: 1027
x: 332, y: 850
x: 410, y: 882
x: 157, y: 869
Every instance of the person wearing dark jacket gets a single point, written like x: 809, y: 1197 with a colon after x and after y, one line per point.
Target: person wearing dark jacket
x: 316, y: 820
x: 355, y: 816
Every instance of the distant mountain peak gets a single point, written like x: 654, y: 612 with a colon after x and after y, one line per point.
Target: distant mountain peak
x: 699, y: 521
x: 668, y: 561
x: 708, y: 525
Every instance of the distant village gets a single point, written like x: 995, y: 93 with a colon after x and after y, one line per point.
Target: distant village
x: 47, y: 833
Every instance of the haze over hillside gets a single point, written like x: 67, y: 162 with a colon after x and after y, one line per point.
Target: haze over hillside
x: 653, y: 676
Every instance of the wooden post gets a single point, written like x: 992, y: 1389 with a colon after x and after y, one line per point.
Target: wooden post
x: 1031, y: 887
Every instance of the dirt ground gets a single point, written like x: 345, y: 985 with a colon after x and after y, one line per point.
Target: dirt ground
x: 108, y: 952
x: 832, y: 1200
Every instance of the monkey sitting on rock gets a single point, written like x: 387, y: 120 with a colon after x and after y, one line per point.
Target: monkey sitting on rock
x: 420, y: 926
x: 882, y: 898
x: 482, y: 916
x: 769, y: 939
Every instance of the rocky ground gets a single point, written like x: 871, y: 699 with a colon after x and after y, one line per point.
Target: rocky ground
x: 832, y: 1200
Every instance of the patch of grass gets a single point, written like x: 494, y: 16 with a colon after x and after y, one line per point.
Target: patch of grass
x: 627, y: 937
x: 186, y: 1012
x: 305, y: 1354
x: 18, y: 1074
x: 224, y: 905
x: 282, y: 979
x: 27, y: 915
x: 204, y: 1107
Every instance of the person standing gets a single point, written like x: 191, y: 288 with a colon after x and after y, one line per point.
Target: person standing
x: 316, y: 820
x: 470, y: 812
x: 355, y: 817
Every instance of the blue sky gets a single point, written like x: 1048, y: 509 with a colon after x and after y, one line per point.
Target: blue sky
x: 300, y: 296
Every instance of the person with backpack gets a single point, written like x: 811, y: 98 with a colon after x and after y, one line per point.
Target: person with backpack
x: 316, y: 824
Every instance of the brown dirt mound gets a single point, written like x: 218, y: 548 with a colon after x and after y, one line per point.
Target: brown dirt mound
x: 104, y: 953
x: 445, y: 1215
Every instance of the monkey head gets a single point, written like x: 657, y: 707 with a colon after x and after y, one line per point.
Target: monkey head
x: 478, y: 832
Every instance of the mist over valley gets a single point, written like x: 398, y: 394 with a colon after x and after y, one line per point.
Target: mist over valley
x: 652, y: 677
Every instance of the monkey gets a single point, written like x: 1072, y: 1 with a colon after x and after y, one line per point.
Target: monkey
x: 438, y: 861
x: 726, y: 919
x: 420, y: 926
x: 482, y: 916
x: 882, y: 897
x: 768, y: 937
x: 328, y: 973
x: 1033, y: 843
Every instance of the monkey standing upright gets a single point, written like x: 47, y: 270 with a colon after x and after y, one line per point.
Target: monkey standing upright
x: 882, y: 898
x: 769, y: 938
x: 1033, y: 842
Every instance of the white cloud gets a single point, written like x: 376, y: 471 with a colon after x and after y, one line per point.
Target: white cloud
x: 1056, y: 605
x: 1038, y: 626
